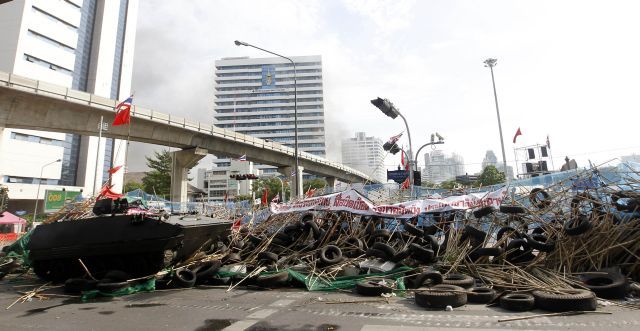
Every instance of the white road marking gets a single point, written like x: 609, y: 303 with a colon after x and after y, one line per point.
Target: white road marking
x: 418, y: 328
x: 282, y: 303
x: 240, y: 325
x: 260, y: 314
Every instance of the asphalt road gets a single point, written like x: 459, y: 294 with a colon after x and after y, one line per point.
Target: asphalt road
x: 213, y: 308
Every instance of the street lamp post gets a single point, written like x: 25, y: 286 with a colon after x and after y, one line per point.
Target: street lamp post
x: 492, y: 63
x: 298, y: 175
x: 433, y: 142
x: 390, y: 110
x: 35, y: 210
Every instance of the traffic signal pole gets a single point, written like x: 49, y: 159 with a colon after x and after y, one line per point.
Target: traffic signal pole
x: 410, y: 152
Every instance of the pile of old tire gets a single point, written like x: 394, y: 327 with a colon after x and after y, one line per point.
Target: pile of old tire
x: 423, y: 278
x: 517, y: 301
x: 113, y: 281
x: 441, y: 296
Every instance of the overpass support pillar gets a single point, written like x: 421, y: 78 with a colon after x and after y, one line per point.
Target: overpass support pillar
x: 295, y: 178
x: 181, y: 162
x: 331, y: 183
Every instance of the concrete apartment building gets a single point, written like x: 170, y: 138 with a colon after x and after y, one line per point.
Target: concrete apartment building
x: 217, y: 182
x: 365, y: 154
x: 82, y: 44
x: 255, y: 96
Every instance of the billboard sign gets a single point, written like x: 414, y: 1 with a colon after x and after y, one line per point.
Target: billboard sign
x: 54, y: 200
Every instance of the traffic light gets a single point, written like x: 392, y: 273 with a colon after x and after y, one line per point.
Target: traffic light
x: 391, y: 147
x: 386, y: 106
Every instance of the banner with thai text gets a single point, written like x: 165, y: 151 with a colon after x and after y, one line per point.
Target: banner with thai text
x: 354, y: 202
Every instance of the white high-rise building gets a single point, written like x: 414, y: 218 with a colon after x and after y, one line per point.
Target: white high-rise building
x: 365, y: 154
x: 439, y: 167
x: 219, y: 185
x: 255, y: 96
x: 85, y: 45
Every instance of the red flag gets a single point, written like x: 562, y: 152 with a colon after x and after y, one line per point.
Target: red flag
x: 106, y: 193
x: 265, y: 194
x: 518, y: 133
x: 123, y: 112
x: 236, y: 225
x: 226, y: 197
x: 310, y: 192
x: 405, y: 184
x: 114, y: 169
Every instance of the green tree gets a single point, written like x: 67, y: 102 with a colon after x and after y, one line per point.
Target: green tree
x: 490, y: 176
x: 448, y: 184
x: 4, y: 198
x: 132, y: 186
x: 242, y: 197
x: 315, y: 183
x: 428, y: 184
x: 158, y: 180
x: 272, y: 184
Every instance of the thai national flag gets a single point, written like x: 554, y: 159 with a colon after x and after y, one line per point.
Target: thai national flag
x: 242, y: 158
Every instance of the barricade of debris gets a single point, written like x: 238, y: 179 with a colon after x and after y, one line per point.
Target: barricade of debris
x: 556, y: 248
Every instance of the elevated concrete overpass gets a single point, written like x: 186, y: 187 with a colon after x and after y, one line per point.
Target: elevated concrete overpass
x: 37, y: 105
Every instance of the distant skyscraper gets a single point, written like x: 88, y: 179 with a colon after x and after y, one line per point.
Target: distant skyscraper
x: 365, y: 154
x: 255, y: 96
x: 439, y: 167
x: 489, y: 159
x: 630, y: 158
x: 85, y: 45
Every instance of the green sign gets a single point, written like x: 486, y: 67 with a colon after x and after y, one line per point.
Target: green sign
x: 55, y: 200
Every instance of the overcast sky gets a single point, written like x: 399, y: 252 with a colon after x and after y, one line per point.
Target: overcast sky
x: 567, y: 69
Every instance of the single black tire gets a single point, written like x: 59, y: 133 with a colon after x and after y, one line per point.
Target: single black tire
x: 484, y: 211
x: 388, y: 250
x: 430, y: 230
x: 412, y: 229
x: 372, y: 252
x: 330, y: 254
x: 354, y: 243
x: 506, y: 229
x: 539, y: 198
x: 517, y: 301
x: 518, y: 250
x: 107, y: 285
x: 283, y: 238
x: 381, y: 233
x: 373, y: 288
x: 232, y: 258
x: 185, y: 278
x: 433, y: 242
x: 207, y: 269
x: 117, y: 276
x: 430, y: 278
x: 313, y: 226
x: 488, y: 251
x: 421, y: 254
x: 595, y: 205
x: 606, y: 285
x: 164, y: 283
x: 575, y: 300
x: 268, y: 257
x: 481, y: 294
x: 78, y: 285
x: 276, y: 280
x: 306, y: 217
x: 441, y: 296
x: 506, y: 209
x: 577, y: 225
x: 292, y: 228
x: 256, y: 240
x: 401, y: 255
x: 540, y: 242
x: 474, y: 234
x: 461, y: 280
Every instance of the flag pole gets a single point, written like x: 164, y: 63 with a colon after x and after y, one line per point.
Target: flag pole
x: 95, y: 178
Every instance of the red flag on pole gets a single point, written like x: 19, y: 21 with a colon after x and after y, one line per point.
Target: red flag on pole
x: 405, y: 165
x: 405, y: 184
x: 265, y: 194
x: 123, y: 112
x: 518, y: 133
x: 114, y: 169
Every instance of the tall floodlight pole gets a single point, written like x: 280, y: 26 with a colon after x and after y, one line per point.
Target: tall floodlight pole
x: 35, y: 210
x: 492, y: 63
x: 298, y: 174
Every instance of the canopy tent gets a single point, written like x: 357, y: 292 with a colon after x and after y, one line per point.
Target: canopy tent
x: 10, y: 226
x: 9, y: 218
